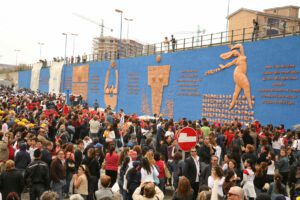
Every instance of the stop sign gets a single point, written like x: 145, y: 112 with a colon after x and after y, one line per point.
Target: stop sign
x: 187, y: 139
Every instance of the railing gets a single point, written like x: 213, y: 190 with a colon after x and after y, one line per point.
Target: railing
x: 203, y: 41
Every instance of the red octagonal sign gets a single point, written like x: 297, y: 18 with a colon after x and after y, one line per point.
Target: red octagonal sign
x: 187, y: 139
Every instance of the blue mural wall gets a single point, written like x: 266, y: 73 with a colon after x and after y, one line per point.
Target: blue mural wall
x: 24, y: 79
x: 44, y: 80
x: 273, y: 73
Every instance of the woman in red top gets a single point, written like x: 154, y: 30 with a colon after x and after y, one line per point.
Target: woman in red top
x: 160, y: 165
x: 111, y: 164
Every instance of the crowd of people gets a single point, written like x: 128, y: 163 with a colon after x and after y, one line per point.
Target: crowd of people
x: 55, y: 151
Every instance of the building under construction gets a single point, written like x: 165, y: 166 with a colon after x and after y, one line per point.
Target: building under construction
x: 107, y: 48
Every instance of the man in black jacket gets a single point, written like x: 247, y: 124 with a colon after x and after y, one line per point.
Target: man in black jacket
x: 207, y: 170
x: 192, y: 171
x: 37, y: 173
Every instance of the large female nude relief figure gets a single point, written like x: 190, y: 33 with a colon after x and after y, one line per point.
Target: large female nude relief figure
x: 239, y: 74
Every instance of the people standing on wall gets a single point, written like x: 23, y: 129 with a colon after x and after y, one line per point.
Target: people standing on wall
x: 255, y: 30
x: 174, y: 43
x: 72, y: 59
x: 84, y: 58
x: 96, y: 105
x: 166, y: 44
x: 78, y: 59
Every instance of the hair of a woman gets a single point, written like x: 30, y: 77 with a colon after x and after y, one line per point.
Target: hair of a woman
x: 177, y: 157
x: 250, y: 148
x: 277, y: 180
x: 184, y: 187
x: 219, y: 171
x: 123, y: 155
x: 111, y: 149
x: 230, y: 174
x: 149, y: 155
x: 9, y: 165
x: 146, y: 165
x: 85, y: 170
x: 125, y: 163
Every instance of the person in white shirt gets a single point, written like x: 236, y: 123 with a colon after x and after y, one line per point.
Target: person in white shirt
x: 4, y: 127
x: 149, y: 173
x: 94, y: 127
x: 215, y: 182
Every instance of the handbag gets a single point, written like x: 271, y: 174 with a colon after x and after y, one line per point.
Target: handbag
x: 167, y: 172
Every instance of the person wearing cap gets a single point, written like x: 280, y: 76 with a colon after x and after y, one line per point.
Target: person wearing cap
x: 37, y: 176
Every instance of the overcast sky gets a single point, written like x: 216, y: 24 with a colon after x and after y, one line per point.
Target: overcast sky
x: 25, y: 23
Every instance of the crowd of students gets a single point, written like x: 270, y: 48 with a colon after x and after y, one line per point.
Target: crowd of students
x: 56, y: 151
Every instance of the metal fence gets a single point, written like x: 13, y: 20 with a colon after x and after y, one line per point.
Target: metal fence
x: 203, y: 41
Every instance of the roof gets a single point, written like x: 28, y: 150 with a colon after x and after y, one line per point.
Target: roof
x: 290, y: 6
x: 262, y: 13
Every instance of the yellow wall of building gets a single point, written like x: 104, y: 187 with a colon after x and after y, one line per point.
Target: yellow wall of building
x: 238, y: 22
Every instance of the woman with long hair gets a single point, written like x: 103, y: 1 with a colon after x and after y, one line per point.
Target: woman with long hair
x: 277, y: 188
x: 80, y: 181
x: 248, y: 180
x: 260, y: 177
x: 148, y: 173
x: 229, y: 182
x: 282, y: 164
x: 215, y: 182
x: 271, y: 167
x: 177, y: 168
x: 184, y: 190
x: 111, y: 164
x: 123, y: 155
x: 92, y: 163
x: 276, y: 144
x: 150, y: 156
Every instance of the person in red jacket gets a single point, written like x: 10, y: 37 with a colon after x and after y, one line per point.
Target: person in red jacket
x: 111, y: 164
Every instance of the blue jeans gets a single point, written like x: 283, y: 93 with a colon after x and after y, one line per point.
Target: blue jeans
x: 58, y: 188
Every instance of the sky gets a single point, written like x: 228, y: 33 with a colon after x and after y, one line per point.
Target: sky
x: 24, y: 24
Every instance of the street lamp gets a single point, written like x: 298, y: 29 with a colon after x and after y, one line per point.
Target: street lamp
x: 120, y: 48
x: 41, y: 44
x: 228, y: 6
x: 128, y: 20
x: 17, y: 51
x: 74, y: 34
x: 66, y: 39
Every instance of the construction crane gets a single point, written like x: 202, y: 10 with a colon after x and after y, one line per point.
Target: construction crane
x: 94, y: 22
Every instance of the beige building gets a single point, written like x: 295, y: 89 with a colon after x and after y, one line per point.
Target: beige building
x: 106, y: 48
x: 272, y: 21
